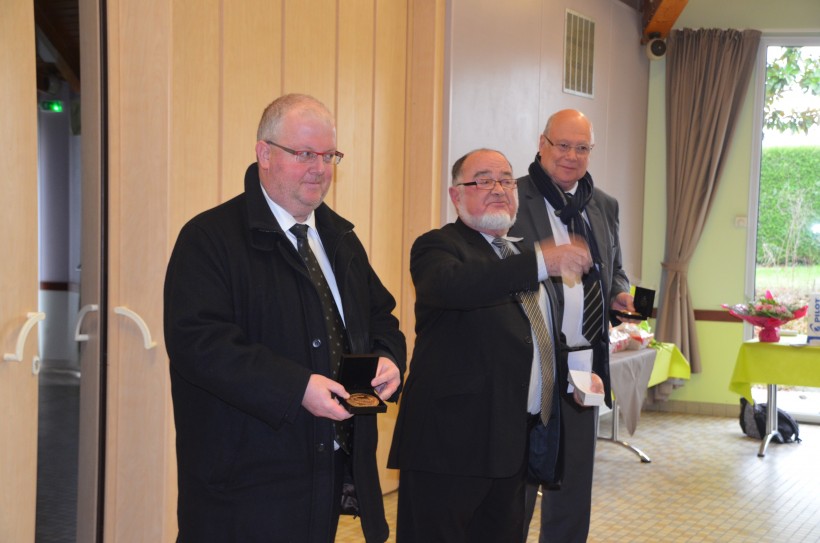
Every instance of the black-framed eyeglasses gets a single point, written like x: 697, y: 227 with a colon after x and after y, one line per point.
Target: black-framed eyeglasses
x: 564, y: 148
x: 488, y: 183
x: 330, y: 157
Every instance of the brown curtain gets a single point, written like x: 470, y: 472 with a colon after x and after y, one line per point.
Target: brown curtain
x: 707, y: 75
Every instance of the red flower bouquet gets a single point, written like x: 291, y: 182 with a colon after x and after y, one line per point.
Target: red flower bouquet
x: 769, y: 314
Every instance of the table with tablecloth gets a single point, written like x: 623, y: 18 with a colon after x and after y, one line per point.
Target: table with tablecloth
x: 631, y: 372
x: 787, y: 362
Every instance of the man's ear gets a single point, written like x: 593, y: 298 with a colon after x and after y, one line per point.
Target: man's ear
x: 454, y: 194
x: 263, y: 154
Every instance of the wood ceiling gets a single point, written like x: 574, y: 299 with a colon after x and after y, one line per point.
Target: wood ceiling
x: 58, y: 35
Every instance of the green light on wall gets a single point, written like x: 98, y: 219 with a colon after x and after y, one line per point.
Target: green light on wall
x: 55, y: 106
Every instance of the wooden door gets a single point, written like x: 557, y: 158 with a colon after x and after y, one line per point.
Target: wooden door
x: 18, y: 272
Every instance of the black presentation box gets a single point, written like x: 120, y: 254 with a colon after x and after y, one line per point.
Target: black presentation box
x: 355, y: 373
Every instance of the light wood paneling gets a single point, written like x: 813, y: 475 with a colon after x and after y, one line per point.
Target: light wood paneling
x: 251, y: 78
x: 138, y: 407
x: 423, y: 136
x: 387, y: 211
x: 354, y: 116
x: 18, y: 269
x: 194, y: 114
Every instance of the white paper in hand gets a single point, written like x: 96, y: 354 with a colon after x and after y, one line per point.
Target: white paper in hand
x: 582, y: 381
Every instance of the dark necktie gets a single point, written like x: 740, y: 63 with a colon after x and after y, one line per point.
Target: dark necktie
x: 532, y: 308
x: 592, y: 324
x: 333, y: 321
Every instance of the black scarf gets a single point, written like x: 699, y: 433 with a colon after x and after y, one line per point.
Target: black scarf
x: 568, y: 208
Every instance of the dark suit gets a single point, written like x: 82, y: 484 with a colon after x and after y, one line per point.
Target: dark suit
x: 244, y: 331
x: 464, y: 407
x: 565, y: 512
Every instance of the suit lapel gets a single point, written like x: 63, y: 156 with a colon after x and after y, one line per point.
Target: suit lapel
x: 537, y: 208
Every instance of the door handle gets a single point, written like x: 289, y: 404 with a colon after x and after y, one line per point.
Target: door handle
x: 33, y: 318
x: 86, y: 309
x: 146, y: 333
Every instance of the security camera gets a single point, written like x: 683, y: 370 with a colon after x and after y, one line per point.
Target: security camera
x: 655, y: 48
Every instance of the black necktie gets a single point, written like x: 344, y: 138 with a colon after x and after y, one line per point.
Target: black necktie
x: 333, y: 321
x: 592, y: 325
x: 532, y: 308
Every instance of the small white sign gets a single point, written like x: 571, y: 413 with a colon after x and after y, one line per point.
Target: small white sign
x: 813, y: 316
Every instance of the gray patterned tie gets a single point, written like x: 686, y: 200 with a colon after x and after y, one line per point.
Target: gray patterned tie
x: 529, y: 301
x: 333, y: 321
x: 593, y: 321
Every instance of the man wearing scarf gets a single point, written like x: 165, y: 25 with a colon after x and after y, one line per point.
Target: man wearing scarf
x: 558, y: 200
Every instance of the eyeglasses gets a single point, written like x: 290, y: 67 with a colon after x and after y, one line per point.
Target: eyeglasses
x: 564, y: 148
x: 488, y: 183
x: 331, y: 157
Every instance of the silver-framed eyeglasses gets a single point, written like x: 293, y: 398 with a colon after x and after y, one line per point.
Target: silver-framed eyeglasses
x: 305, y: 157
x: 488, y: 183
x: 564, y: 148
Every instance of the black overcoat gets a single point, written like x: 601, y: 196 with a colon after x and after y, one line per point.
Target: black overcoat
x: 244, y: 332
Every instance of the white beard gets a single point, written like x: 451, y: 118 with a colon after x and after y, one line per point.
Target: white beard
x: 491, y: 221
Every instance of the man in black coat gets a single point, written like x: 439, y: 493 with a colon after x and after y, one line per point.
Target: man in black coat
x: 249, y: 340
x: 559, y: 201
x: 474, y: 385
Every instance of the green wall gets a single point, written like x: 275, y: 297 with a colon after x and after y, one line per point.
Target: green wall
x: 718, y: 268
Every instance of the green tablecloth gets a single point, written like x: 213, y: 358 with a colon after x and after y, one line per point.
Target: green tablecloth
x: 789, y: 362
x: 669, y: 363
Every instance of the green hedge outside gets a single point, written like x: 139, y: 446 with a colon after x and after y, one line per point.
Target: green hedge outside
x: 789, y: 206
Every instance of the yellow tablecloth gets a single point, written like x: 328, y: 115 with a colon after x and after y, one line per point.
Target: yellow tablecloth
x: 789, y: 362
x: 670, y: 363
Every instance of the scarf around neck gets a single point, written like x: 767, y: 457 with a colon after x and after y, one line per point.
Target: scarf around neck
x: 566, y: 208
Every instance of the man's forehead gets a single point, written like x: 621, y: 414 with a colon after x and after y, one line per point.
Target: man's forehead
x: 486, y: 162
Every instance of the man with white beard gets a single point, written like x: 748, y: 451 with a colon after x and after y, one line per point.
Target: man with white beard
x: 474, y: 389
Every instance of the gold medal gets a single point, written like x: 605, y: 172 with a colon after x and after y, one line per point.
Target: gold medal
x: 358, y: 399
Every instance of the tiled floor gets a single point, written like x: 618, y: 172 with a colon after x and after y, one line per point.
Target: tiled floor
x: 705, y: 484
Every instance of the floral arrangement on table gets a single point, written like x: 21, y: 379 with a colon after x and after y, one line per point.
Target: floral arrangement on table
x: 769, y: 314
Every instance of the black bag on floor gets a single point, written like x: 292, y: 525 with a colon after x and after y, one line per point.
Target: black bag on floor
x: 753, y: 422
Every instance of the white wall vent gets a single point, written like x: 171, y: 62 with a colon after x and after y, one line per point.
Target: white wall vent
x: 579, y: 50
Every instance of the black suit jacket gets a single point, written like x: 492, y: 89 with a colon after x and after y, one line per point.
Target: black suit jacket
x: 464, y: 406
x: 602, y: 212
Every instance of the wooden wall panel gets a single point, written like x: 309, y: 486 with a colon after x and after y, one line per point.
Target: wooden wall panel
x: 251, y: 78
x: 138, y: 392
x: 423, y: 136
x: 18, y: 270
x: 354, y: 115
x: 387, y: 213
x: 194, y: 115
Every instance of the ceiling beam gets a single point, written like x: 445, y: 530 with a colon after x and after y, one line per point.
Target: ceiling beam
x: 659, y: 16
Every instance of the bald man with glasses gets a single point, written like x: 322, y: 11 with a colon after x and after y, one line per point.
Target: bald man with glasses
x: 559, y: 201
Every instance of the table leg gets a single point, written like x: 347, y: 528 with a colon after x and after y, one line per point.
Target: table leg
x: 771, y: 419
x: 615, y: 435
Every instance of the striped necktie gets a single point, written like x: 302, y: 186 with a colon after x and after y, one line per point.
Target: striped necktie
x: 530, y: 304
x: 593, y: 321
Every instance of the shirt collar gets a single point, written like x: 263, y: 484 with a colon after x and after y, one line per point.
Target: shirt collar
x: 285, y: 219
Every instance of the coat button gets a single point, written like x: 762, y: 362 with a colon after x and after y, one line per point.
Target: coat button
x: 320, y: 447
x: 528, y: 339
x: 317, y: 343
